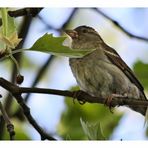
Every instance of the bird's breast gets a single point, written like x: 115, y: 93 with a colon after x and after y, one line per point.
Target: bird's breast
x: 100, y: 77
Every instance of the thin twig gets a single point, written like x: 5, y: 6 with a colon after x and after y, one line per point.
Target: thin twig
x: 40, y: 73
x: 10, y: 126
x: 64, y: 25
x: 47, y: 25
x: 25, y: 12
x: 74, y: 11
x: 32, y: 121
x: 120, y: 27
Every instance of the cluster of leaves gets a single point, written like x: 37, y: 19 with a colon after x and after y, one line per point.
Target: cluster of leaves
x: 47, y: 43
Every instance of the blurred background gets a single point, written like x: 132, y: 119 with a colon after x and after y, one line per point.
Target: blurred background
x: 57, y: 115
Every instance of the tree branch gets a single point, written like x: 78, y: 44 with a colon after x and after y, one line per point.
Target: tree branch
x: 10, y: 126
x: 8, y: 99
x: 85, y: 97
x: 79, y: 95
x: 49, y: 61
x: 64, y: 25
x: 15, y: 90
x: 70, y: 18
x: 25, y: 12
x: 51, y: 58
x: 32, y: 121
x: 40, y: 73
x: 22, y: 34
x: 120, y: 27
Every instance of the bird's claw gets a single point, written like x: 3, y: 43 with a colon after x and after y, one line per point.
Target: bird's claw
x: 108, y: 100
x: 76, y: 95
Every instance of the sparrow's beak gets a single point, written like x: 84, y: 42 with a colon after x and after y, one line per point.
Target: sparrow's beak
x: 72, y: 33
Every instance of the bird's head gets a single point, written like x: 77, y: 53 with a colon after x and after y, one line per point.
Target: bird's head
x: 84, y: 37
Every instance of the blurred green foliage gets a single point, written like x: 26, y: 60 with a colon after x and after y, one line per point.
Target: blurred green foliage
x: 141, y: 71
x: 70, y: 128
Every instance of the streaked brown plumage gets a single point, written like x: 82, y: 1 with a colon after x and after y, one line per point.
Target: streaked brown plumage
x: 103, y: 73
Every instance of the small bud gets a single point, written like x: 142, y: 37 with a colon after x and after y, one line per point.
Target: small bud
x: 19, y: 79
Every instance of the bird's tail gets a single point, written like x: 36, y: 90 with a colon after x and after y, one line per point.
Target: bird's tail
x: 141, y: 109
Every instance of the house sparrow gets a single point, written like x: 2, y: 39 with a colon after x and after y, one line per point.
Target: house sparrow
x: 103, y: 73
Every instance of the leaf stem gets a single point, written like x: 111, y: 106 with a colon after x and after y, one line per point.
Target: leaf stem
x: 15, y: 62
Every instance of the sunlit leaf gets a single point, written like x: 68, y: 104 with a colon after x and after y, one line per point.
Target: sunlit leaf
x: 93, y: 131
x: 54, y: 45
x: 8, y: 33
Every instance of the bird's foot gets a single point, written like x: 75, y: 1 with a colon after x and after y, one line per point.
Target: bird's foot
x: 76, y: 96
x: 108, y: 101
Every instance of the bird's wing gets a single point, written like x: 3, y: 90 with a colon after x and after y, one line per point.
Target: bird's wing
x: 115, y: 58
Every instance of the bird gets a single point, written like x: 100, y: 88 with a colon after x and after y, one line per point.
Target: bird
x: 103, y: 73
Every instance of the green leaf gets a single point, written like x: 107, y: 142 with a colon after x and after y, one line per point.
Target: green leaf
x: 141, y: 71
x: 8, y: 33
x: 8, y: 24
x: 54, y: 45
x: 93, y: 131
